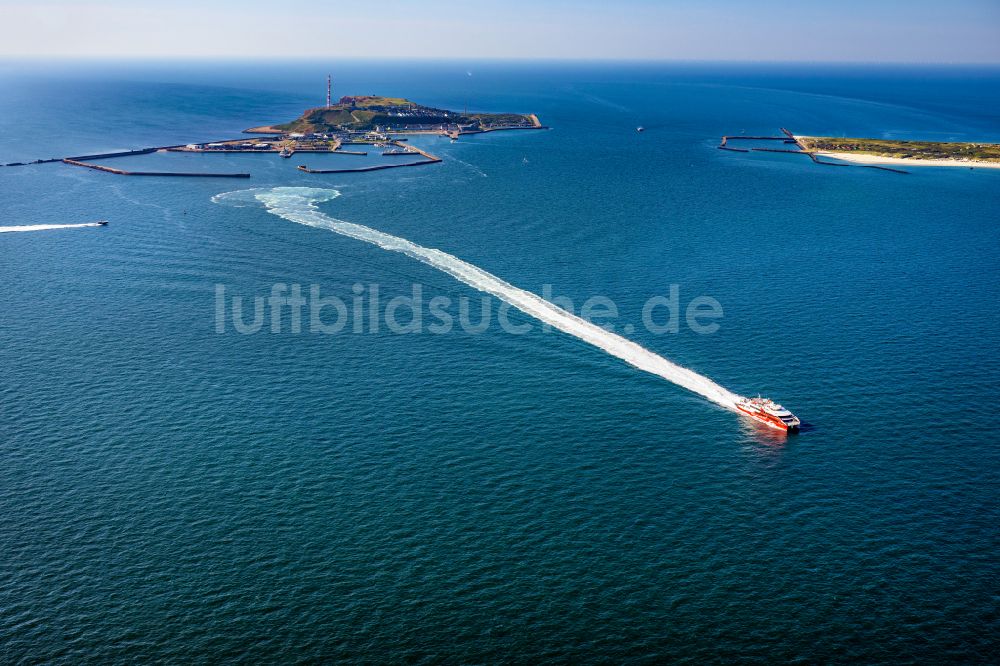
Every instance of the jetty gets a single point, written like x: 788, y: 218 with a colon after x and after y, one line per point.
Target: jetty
x: 777, y: 150
x: 460, y: 130
x: 816, y: 160
x: 376, y: 167
x: 257, y: 146
x: 727, y: 138
x: 723, y: 145
x: 122, y: 172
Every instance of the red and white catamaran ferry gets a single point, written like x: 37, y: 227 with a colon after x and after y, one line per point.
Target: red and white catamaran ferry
x: 768, y: 412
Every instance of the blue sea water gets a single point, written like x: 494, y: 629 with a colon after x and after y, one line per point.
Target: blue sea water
x: 172, y: 493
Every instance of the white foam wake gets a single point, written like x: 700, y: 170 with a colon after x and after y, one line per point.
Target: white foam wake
x: 46, y: 227
x: 298, y: 204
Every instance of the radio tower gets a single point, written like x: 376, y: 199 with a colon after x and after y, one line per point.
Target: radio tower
x: 328, y: 105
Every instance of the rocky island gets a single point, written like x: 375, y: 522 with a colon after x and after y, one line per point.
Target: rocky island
x: 356, y: 121
x: 396, y: 115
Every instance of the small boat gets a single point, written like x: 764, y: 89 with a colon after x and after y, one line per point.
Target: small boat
x: 102, y: 223
x: 285, y: 152
x: 640, y: 128
x: 769, y: 413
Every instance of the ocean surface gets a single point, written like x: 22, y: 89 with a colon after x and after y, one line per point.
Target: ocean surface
x: 169, y: 492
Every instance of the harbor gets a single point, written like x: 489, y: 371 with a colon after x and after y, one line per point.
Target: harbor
x: 401, y: 149
x: 353, y: 121
x: 345, y: 143
x: 277, y: 146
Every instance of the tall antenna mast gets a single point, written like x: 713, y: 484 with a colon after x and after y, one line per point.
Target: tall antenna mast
x: 328, y: 105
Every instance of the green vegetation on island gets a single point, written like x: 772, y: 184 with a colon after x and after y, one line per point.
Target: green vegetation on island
x: 913, y: 150
x: 394, y: 113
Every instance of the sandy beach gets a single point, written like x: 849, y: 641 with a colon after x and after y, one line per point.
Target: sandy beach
x: 864, y: 158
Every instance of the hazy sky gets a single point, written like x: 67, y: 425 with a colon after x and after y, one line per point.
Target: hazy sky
x: 950, y: 31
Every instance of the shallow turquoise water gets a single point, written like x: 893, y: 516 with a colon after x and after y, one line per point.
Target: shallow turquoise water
x: 172, y: 493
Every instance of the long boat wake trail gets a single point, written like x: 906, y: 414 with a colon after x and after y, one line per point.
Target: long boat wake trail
x: 46, y: 227
x: 298, y: 204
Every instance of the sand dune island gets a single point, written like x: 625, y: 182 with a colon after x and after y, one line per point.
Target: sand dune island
x: 912, y: 153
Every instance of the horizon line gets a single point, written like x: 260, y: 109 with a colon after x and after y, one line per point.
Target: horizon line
x: 22, y: 57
